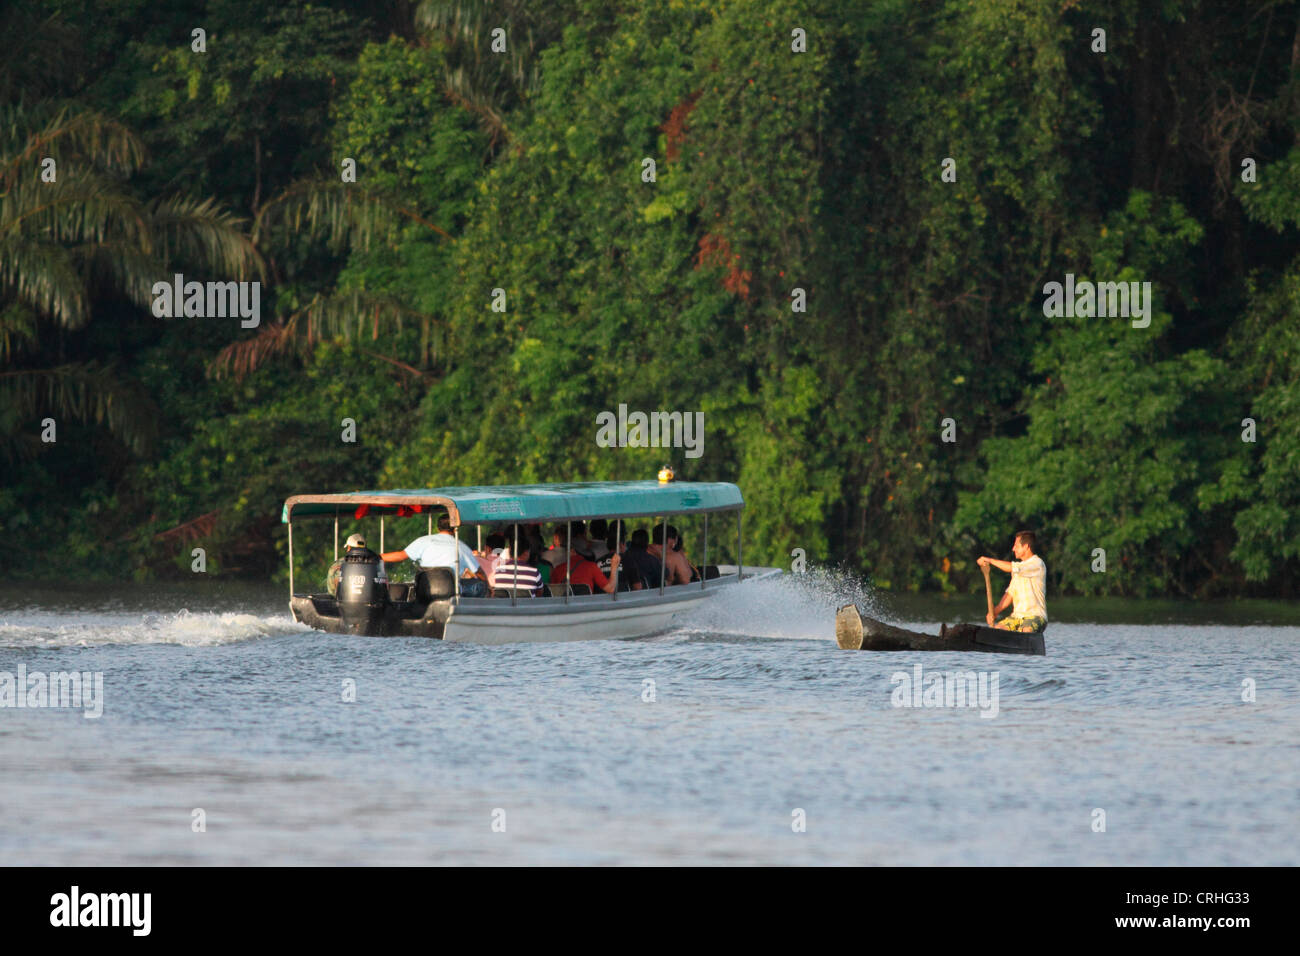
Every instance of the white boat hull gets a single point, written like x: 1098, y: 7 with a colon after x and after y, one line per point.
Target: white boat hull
x: 586, y: 618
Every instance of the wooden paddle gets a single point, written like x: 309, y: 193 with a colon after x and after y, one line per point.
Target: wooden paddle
x: 988, y: 589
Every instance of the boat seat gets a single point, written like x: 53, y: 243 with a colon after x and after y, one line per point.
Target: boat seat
x: 435, y: 584
x: 579, y: 589
x: 506, y: 592
x: 558, y: 590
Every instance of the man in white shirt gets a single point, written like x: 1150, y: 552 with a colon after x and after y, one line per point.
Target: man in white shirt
x: 438, y: 551
x: 1027, y: 593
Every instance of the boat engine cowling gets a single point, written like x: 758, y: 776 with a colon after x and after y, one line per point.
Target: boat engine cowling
x: 363, y: 591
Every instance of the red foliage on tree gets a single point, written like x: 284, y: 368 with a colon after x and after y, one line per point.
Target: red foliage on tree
x: 715, y: 252
x: 674, y: 128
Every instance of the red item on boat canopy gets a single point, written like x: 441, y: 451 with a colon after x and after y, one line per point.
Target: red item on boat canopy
x: 361, y: 512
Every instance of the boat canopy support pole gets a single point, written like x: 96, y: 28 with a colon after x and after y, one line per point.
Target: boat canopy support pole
x: 663, y: 556
x: 290, y: 561
x: 381, y: 534
x: 479, y: 529
x: 336, y: 534
x: 456, y: 573
x: 514, y: 560
x: 618, y: 541
x: 704, y: 567
x: 740, y: 558
x: 568, y: 558
x: 430, y: 521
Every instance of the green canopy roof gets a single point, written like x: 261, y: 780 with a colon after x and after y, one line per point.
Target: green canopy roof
x: 489, y: 504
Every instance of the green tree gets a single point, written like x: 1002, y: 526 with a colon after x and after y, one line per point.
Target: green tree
x: 1121, y: 435
x: 1262, y: 480
x: 70, y: 229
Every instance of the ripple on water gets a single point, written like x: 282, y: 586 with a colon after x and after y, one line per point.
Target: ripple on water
x: 35, y: 627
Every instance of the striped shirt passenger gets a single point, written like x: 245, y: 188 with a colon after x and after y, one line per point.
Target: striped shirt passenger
x: 516, y: 575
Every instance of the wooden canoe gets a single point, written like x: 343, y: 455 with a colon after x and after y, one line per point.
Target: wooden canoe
x: 857, y: 632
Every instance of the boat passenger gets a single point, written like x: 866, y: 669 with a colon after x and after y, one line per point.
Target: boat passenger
x: 491, y: 554
x: 606, y: 564
x: 1027, y: 593
x: 598, y: 532
x: 356, y: 544
x: 518, y: 573
x: 558, y: 555
x: 555, y: 554
x: 536, y: 545
x: 529, y: 537
x: 695, y: 572
x: 440, y: 551
x: 638, y: 561
x: 579, y: 570
x: 581, y: 543
x: 679, y: 569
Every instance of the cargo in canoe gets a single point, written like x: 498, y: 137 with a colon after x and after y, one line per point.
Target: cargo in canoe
x: 855, y: 631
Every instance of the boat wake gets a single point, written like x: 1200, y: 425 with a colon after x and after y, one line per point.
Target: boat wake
x: 39, y: 628
x: 792, y: 606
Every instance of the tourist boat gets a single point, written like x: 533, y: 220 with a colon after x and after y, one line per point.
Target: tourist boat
x: 433, y: 606
x: 855, y: 631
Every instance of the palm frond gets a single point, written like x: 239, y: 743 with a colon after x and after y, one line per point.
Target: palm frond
x: 83, y: 207
x: 122, y: 267
x: 467, y: 92
x: 71, y: 132
x: 457, y: 19
x: 343, y: 214
x: 238, y: 360
x: 198, y: 232
x: 80, y: 239
x: 84, y: 392
x: 18, y: 329
x: 486, y: 83
x: 467, y: 27
x: 353, y: 315
x: 44, y: 276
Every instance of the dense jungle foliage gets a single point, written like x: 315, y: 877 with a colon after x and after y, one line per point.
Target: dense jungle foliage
x: 501, y: 271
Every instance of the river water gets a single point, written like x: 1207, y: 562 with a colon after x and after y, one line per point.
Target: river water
x: 758, y: 740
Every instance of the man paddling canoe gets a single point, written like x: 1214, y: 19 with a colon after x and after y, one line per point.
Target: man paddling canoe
x: 1027, y: 593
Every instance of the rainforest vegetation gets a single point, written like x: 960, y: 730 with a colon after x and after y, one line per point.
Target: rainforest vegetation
x: 838, y: 255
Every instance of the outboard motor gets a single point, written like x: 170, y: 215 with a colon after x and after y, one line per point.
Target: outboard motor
x: 363, y: 592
